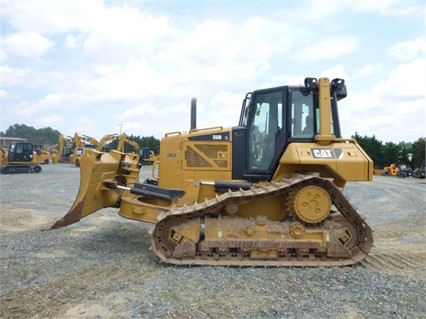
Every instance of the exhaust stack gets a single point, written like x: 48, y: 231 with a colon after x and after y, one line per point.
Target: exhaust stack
x: 193, y: 113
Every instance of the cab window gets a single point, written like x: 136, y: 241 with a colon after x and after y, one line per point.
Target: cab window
x: 303, y: 114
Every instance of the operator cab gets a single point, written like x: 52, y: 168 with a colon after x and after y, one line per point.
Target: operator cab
x: 79, y: 150
x: 20, y: 152
x: 273, y: 118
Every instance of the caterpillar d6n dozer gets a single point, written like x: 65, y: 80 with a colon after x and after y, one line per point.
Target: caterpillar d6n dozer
x: 267, y: 192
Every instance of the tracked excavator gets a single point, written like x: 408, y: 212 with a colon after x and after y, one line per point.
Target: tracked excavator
x: 82, y: 142
x: 105, y: 143
x: 21, y: 157
x: 267, y: 192
x: 123, y: 141
x: 63, y: 150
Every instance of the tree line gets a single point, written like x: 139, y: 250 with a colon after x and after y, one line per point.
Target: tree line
x: 382, y: 154
x: 49, y: 136
x: 410, y: 154
x: 42, y: 136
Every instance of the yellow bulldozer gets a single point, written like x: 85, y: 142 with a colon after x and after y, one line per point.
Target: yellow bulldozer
x: 267, y: 192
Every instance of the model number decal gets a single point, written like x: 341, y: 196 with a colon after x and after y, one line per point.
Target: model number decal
x: 217, y: 137
x: 221, y: 136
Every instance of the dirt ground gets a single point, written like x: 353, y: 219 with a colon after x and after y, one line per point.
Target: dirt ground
x: 102, y: 267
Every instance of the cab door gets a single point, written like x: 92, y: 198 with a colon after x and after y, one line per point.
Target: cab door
x: 266, y: 136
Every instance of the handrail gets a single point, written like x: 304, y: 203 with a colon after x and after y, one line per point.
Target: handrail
x: 172, y: 133
x: 206, y: 129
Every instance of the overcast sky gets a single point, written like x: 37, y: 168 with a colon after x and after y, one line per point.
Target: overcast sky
x: 97, y: 67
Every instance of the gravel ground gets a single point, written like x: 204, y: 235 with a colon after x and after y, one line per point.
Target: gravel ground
x: 102, y: 267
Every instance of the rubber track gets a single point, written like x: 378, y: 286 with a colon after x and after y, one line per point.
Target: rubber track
x: 177, y: 214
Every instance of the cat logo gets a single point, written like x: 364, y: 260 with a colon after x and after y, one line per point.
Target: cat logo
x: 327, y: 153
x: 322, y: 153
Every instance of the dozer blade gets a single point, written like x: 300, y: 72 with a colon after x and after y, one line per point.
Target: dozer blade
x: 97, y: 171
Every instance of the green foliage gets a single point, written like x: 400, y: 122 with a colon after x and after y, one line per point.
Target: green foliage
x: 42, y: 136
x: 390, y: 155
x: 384, y: 155
x: 372, y: 146
x: 147, y: 141
x: 418, y: 151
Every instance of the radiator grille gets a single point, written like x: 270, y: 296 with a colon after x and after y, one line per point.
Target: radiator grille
x: 196, y: 155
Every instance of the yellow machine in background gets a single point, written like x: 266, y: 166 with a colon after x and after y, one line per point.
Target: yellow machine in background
x: 123, y: 142
x: 3, y: 155
x: 62, y: 151
x: 43, y: 155
x: 147, y: 156
x: 392, y: 170
x: 105, y: 143
x: 21, y: 157
x: 267, y: 192
x: 82, y: 142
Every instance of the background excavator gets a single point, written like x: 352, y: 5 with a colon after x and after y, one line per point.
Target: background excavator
x: 146, y: 156
x: 62, y: 151
x: 123, y: 141
x: 264, y: 193
x: 81, y: 142
x: 105, y: 143
x: 21, y: 157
